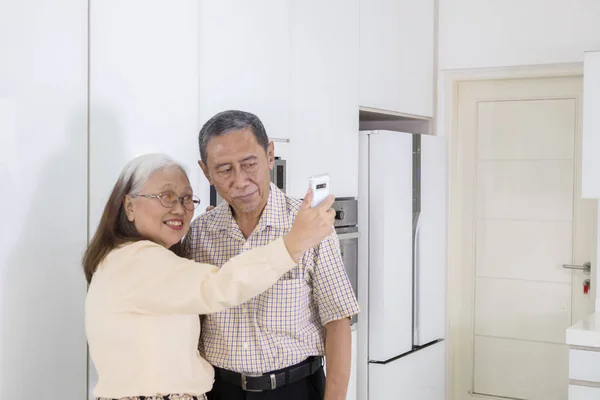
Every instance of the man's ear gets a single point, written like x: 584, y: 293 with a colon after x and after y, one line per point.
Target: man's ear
x: 204, y: 169
x: 129, y: 208
x: 271, y: 154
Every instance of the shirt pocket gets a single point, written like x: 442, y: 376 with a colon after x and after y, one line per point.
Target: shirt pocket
x: 285, y: 307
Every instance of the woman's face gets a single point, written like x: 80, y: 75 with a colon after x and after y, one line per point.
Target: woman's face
x: 153, y: 220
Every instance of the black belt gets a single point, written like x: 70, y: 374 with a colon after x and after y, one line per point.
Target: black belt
x: 272, y: 380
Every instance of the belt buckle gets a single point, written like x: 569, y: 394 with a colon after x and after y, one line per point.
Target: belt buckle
x: 245, y: 382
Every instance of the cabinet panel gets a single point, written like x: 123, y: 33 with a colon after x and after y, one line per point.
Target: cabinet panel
x: 143, y: 89
x: 591, y: 126
x: 584, y: 365
x: 43, y: 175
x: 324, y: 95
x: 396, y: 55
x: 244, y: 60
x: 417, y: 376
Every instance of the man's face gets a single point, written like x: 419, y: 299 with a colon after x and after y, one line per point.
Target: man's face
x: 239, y: 169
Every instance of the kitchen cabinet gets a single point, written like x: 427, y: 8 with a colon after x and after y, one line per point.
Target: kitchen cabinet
x: 590, y: 164
x: 244, y: 60
x: 397, y: 56
x: 413, y: 376
x: 43, y: 175
x: 324, y: 95
x: 143, y: 90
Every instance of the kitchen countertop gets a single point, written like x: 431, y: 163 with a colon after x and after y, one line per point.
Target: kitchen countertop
x: 585, y: 332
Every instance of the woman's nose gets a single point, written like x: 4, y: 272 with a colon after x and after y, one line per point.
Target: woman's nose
x: 178, y: 209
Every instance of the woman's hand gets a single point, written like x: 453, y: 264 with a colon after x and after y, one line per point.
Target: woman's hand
x: 311, y: 226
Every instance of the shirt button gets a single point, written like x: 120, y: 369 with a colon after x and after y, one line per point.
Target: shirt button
x: 246, y: 345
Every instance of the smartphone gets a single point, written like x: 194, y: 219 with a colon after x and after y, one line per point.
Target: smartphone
x: 320, y: 186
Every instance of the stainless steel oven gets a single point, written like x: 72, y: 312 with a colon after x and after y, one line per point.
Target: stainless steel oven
x: 278, y: 173
x: 346, y: 227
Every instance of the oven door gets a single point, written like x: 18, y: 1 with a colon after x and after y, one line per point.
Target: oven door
x: 278, y: 174
x: 348, y: 238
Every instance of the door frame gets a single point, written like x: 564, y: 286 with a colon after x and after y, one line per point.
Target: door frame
x: 446, y: 124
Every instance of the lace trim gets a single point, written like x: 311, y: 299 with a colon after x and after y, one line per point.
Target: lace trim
x: 165, y: 397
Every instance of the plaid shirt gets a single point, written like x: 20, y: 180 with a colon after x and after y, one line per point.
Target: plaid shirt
x: 284, y: 325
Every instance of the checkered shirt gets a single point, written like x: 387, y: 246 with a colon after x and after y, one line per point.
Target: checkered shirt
x: 284, y: 325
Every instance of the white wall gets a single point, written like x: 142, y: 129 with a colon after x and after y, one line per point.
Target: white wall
x: 43, y: 181
x: 499, y: 33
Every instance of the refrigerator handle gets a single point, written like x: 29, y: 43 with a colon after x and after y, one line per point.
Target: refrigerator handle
x: 416, y: 268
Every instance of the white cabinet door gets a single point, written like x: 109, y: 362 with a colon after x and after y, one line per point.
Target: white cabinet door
x: 143, y: 89
x: 431, y: 288
x: 43, y: 175
x: 417, y: 376
x: 591, y: 126
x: 390, y: 245
x: 244, y: 60
x: 351, y: 395
x: 396, y: 55
x: 324, y: 95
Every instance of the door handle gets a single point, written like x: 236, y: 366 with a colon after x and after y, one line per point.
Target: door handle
x: 586, y: 267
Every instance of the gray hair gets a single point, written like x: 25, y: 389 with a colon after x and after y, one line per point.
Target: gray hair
x: 228, y: 121
x: 140, y: 169
x: 115, y: 228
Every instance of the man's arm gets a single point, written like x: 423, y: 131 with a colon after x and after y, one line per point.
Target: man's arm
x: 336, y: 302
x: 338, y: 353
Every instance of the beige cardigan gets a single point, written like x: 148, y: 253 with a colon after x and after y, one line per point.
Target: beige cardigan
x: 142, y: 314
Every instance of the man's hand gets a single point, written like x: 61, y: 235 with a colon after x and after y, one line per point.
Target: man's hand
x: 209, y: 208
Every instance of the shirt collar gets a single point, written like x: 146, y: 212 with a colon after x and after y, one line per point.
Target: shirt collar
x: 274, y: 215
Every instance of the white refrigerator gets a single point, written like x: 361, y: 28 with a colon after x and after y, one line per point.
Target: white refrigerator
x: 402, y: 256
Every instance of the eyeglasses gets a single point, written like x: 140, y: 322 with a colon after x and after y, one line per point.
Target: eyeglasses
x: 170, y: 200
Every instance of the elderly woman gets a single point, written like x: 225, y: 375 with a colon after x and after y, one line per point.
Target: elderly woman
x: 144, y: 299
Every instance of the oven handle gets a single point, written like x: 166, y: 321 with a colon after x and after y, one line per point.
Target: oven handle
x: 347, y: 236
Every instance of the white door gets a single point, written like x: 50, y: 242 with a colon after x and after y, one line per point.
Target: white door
x: 516, y: 217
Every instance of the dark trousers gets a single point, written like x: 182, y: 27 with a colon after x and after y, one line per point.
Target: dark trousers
x: 309, y: 388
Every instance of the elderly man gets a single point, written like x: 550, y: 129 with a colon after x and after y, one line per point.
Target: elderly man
x: 271, y: 347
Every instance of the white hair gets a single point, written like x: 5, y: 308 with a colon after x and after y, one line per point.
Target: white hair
x: 141, y: 168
